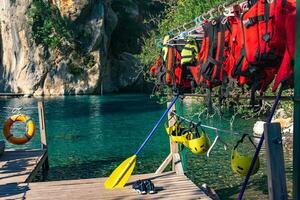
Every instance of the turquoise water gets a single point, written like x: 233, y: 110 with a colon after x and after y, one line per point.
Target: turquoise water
x: 88, y: 136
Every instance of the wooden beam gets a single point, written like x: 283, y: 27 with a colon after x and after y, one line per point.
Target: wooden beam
x: 166, y: 162
x: 43, y: 132
x: 275, y: 162
x: 39, y: 164
x: 173, y: 145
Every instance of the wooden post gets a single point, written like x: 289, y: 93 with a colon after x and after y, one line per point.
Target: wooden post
x: 174, y: 156
x: 43, y: 132
x: 171, y: 121
x: 275, y: 162
x: 174, y: 147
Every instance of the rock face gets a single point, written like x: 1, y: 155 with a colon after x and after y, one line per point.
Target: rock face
x: 124, y: 72
x: 32, y: 68
x: 61, y: 47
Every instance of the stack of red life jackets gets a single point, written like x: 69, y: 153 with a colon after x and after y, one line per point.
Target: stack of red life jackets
x: 252, y: 48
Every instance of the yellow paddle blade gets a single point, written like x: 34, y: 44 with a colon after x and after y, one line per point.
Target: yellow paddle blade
x: 121, y: 174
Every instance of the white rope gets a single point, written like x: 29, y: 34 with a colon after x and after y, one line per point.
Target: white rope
x: 17, y: 110
x: 210, y: 127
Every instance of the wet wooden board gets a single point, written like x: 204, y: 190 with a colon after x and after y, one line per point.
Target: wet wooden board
x: 20, y: 166
x: 168, y: 185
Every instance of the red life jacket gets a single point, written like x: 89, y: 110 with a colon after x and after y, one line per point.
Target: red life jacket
x: 285, y: 20
x: 156, y: 67
x: 213, y: 53
x: 173, y: 67
x: 236, y: 45
x: 258, y: 35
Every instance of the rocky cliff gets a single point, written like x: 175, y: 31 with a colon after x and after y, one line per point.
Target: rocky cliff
x: 61, y: 47
x: 35, y: 67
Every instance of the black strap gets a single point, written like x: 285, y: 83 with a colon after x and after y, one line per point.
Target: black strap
x: 221, y: 51
x: 189, y: 48
x: 266, y: 36
x: 209, y: 101
x: 238, y: 66
x: 187, y: 56
x: 253, y: 20
x: 242, y: 140
x: 283, y: 3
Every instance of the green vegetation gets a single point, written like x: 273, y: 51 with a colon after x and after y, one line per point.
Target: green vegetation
x: 48, y: 27
x: 55, y: 32
x: 176, y: 14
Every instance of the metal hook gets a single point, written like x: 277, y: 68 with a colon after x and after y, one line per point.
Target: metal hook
x: 221, y: 8
x: 210, y: 13
x: 224, y: 20
x: 203, y: 17
x: 245, y: 6
x: 178, y: 31
x: 184, y: 26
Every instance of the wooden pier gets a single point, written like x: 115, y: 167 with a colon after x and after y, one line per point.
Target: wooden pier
x: 18, y: 168
x: 169, y: 185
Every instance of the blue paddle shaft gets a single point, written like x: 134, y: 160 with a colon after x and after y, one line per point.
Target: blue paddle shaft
x: 156, y: 125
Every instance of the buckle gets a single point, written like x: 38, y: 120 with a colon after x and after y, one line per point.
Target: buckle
x: 250, y: 21
x: 266, y: 37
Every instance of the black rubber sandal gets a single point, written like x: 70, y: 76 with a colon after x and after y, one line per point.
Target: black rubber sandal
x: 140, y: 187
x: 149, y: 186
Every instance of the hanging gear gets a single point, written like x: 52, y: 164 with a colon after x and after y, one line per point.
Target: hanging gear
x: 174, y: 69
x: 196, y: 143
x: 189, y: 53
x: 258, y: 60
x: 209, y: 71
x: 176, y: 132
x: 285, y: 24
x: 240, y: 164
x: 236, y: 46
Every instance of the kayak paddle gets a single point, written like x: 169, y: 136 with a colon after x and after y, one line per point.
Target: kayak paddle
x: 121, y: 174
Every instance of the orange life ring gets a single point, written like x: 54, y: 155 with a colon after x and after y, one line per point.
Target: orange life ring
x: 27, y: 136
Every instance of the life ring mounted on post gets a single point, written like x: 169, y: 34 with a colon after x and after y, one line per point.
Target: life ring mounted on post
x: 26, y: 137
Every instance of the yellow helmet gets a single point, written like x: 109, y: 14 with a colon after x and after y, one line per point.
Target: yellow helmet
x: 196, y: 143
x: 177, y: 132
x: 169, y: 129
x: 240, y: 164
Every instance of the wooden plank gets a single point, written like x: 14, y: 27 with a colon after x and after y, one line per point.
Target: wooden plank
x: 168, y: 185
x: 42, y: 125
x: 174, y: 147
x: 16, y: 166
x: 163, y: 166
x: 43, y: 132
x: 40, y: 163
x: 275, y: 162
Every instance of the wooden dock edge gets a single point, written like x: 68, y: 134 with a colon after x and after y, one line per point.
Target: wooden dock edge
x: 40, y: 163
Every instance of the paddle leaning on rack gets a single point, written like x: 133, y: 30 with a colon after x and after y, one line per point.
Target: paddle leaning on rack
x: 121, y: 174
